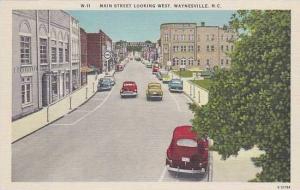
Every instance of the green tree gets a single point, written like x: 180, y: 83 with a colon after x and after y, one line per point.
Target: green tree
x: 249, y: 104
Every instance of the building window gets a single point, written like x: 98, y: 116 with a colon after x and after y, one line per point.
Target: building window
x: 222, y: 62
x: 182, y: 37
x: 212, y: 37
x: 184, y: 48
x: 183, y: 61
x: 191, y: 37
x: 25, y: 50
x: 207, y: 48
x: 198, y: 62
x: 53, y: 51
x: 231, y: 48
x: 222, y: 37
x: 222, y: 48
x: 227, y: 62
x: 166, y: 37
x: 191, y: 61
x: 174, y: 48
x: 227, y: 48
x: 198, y: 48
x: 174, y: 61
x: 207, y: 62
x: 191, y: 48
x: 43, y: 51
x: 166, y: 50
x: 212, y: 48
x: 60, y: 53
x: 26, y: 90
x: 67, y: 52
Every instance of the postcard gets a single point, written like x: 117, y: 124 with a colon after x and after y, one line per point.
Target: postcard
x: 149, y: 95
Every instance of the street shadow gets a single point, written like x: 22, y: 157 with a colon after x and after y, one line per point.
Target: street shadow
x: 129, y: 97
x: 187, y: 176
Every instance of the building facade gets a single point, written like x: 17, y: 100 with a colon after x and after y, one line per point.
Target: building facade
x: 189, y: 45
x: 97, y: 44
x: 44, y: 69
x: 84, y: 64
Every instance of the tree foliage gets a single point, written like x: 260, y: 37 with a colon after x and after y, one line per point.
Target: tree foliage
x: 249, y: 104
x: 134, y: 48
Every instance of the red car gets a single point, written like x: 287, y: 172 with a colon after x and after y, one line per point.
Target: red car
x: 187, y: 153
x: 129, y: 88
x: 155, y: 69
x: 119, y: 67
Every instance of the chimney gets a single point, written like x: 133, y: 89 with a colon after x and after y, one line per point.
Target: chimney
x: 202, y: 23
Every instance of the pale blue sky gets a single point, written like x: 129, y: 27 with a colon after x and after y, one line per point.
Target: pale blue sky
x: 143, y: 25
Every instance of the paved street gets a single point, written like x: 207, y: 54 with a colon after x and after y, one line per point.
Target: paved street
x: 107, y: 138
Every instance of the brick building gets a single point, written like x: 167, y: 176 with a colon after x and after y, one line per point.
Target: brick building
x: 97, y: 44
x: 196, y: 46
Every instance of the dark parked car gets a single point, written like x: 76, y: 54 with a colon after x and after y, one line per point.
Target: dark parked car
x: 176, y: 85
x: 111, y: 78
x: 129, y: 88
x: 104, y: 84
x: 187, y: 153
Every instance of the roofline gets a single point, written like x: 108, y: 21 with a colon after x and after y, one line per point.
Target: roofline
x: 178, y: 23
x: 169, y: 23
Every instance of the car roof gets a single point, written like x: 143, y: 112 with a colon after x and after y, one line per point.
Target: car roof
x: 154, y: 83
x: 184, y: 131
x: 129, y: 82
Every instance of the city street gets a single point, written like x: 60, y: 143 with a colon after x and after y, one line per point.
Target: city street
x: 107, y: 138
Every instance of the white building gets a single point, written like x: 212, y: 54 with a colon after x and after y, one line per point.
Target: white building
x: 46, y: 49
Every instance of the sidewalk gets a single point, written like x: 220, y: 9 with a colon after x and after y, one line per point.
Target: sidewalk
x: 49, y: 114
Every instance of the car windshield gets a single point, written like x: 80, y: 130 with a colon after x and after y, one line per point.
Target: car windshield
x: 105, y: 81
x: 176, y: 81
x: 186, y: 142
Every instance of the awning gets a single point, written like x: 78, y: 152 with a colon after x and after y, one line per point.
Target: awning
x: 86, y: 69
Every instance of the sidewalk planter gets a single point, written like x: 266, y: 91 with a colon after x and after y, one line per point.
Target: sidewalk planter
x: 196, y: 93
x: 45, y: 116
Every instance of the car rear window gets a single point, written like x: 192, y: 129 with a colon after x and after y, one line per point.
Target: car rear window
x: 154, y: 86
x: 128, y: 84
x: 186, y: 142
